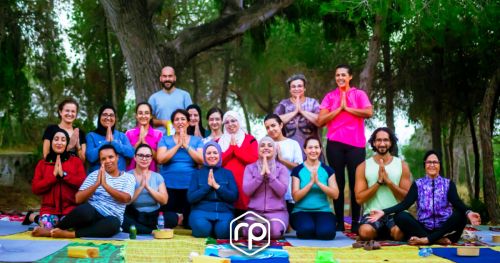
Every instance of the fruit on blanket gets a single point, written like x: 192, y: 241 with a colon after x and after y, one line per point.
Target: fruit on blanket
x: 83, y: 252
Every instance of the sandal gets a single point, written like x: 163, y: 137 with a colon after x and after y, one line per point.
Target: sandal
x: 359, y: 244
x: 372, y: 245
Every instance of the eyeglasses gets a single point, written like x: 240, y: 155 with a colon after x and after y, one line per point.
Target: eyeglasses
x: 105, y: 115
x: 432, y: 163
x: 231, y: 121
x: 382, y: 140
x: 144, y: 156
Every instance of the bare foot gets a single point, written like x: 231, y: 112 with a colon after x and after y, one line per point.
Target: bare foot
x: 444, y: 241
x: 415, y: 241
x: 59, y: 233
x: 40, y: 232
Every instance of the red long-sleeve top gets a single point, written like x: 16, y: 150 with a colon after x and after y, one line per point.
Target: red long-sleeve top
x: 236, y: 159
x: 58, y: 194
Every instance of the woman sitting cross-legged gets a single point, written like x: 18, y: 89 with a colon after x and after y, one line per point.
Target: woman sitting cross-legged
x: 102, y: 197
x: 441, y: 214
x: 265, y: 182
x: 56, y: 180
x: 150, y: 193
x: 212, y: 193
x: 312, y: 183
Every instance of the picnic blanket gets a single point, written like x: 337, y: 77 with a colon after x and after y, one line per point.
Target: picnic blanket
x: 28, y: 250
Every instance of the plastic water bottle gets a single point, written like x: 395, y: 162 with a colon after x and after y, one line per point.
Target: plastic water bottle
x: 425, y: 252
x: 161, y: 221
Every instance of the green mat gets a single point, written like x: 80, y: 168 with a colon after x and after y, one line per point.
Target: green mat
x: 107, y: 253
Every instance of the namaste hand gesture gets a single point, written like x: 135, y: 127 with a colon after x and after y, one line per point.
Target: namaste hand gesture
x: 265, y: 172
x: 142, y: 134
x: 109, y: 134
x: 74, y: 140
x: 58, y: 171
x: 233, y: 139
x: 197, y: 131
x: 183, y: 138
x: 101, y: 176
x: 314, y: 177
x: 382, y: 173
x: 343, y: 103
x: 298, y: 105
x: 211, y: 180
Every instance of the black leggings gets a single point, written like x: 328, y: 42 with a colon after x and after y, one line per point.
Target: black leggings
x: 177, y: 202
x: 146, y: 222
x: 452, y: 228
x: 339, y: 156
x: 88, y: 222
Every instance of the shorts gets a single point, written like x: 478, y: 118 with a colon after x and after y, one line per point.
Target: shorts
x: 382, y: 226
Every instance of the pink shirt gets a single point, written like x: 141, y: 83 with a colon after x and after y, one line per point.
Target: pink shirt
x: 152, y: 138
x: 346, y: 127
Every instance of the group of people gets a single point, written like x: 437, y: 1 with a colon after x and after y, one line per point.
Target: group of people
x: 169, y: 164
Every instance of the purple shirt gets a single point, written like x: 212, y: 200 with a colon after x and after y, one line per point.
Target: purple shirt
x: 433, y: 207
x: 152, y: 138
x: 299, y: 128
x: 266, y: 195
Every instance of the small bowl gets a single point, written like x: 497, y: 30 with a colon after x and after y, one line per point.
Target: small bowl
x: 468, y: 251
x: 166, y: 233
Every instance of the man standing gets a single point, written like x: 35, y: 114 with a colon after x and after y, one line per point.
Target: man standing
x: 167, y: 100
x: 381, y: 181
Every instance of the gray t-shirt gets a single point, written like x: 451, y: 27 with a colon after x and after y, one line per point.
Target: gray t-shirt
x: 145, y: 202
x: 164, y: 104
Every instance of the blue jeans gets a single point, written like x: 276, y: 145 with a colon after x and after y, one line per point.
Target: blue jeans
x: 314, y: 225
x: 215, y: 224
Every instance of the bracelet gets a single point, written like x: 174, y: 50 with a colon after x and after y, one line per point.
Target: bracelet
x: 468, y: 212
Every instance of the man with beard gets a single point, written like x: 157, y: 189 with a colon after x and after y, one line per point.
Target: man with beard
x: 382, y: 181
x: 167, y: 100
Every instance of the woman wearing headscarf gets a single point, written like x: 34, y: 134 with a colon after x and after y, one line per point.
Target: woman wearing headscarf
x: 441, y: 214
x: 106, y: 134
x: 238, y: 150
x: 57, y: 179
x: 195, y: 121
x: 212, y: 193
x: 265, y: 182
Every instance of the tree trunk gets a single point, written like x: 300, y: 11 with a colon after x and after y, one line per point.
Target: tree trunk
x: 468, y: 176
x: 225, y: 82
x: 367, y: 75
x: 475, y: 147
x: 111, y: 67
x: 196, y: 87
x: 436, y: 126
x: 389, y: 89
x: 489, y: 182
x: 451, y: 143
x: 245, y: 111
x: 145, y: 55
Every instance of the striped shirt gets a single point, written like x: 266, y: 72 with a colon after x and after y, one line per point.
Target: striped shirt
x: 102, y: 201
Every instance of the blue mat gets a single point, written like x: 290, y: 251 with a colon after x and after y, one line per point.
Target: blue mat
x: 121, y: 236
x: 340, y: 240
x: 28, y: 250
x: 10, y: 228
x: 485, y: 255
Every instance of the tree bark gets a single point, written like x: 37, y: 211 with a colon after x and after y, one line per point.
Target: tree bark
x: 451, y: 143
x: 489, y: 182
x: 468, y: 176
x: 111, y: 67
x: 389, y: 89
x: 245, y: 111
x: 145, y: 55
x: 367, y: 75
x: 225, y: 82
x: 196, y: 87
x: 475, y: 148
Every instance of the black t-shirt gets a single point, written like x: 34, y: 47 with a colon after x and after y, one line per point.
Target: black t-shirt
x: 51, y: 129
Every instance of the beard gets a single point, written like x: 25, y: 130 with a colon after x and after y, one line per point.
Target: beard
x: 382, y: 151
x: 172, y: 84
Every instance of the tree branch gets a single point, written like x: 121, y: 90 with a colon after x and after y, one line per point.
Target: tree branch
x: 191, y: 41
x: 153, y: 6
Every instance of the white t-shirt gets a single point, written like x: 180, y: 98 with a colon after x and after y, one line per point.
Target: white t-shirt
x: 102, y: 201
x: 290, y: 150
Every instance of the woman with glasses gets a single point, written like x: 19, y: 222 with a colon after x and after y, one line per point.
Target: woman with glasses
x: 144, y: 133
x: 299, y: 113
x: 77, y: 144
x: 238, y: 150
x: 180, y: 154
x: 214, y: 118
x: 107, y: 134
x: 441, y: 214
x: 150, y: 193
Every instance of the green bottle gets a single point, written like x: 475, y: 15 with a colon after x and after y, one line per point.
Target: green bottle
x: 132, y: 232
